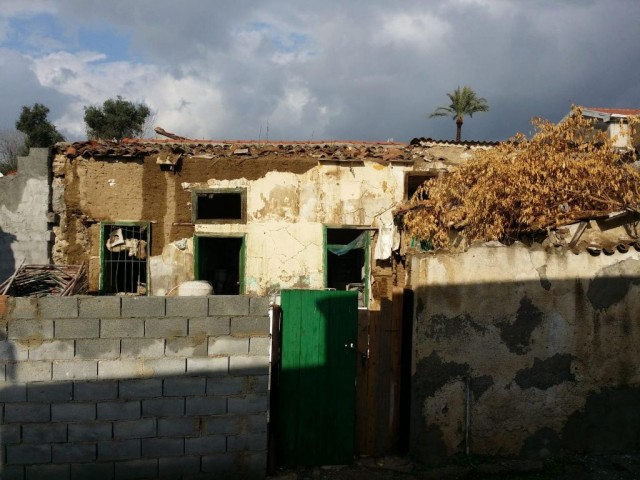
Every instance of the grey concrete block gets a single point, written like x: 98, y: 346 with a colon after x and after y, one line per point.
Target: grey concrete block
x: 249, y: 365
x: 49, y: 392
x: 259, y: 305
x: 142, y: 468
x: 92, y: 471
x: 12, y: 393
x: 27, y: 412
x: 184, y: 386
x: 162, y: 447
x: 73, y: 412
x: 222, y: 425
x: 218, y: 366
x: 163, y: 407
x: 226, y: 346
x: 141, y: 368
x: 141, y: 388
x: 121, y: 328
x: 13, y: 472
x: 225, y: 385
x: 167, y: 366
x: 259, y: 345
x: 208, y: 445
x: 141, y: 428
x: 74, y: 453
x: 11, y: 434
x: 119, y: 450
x: 99, y: 307
x: 58, y: 307
x: 143, y: 306
x: 31, y: 331
x: 75, y: 370
x: 28, y: 454
x: 100, y: 348
x: 120, y: 410
x: 253, y: 442
x: 165, y: 327
x: 178, y: 467
x: 98, y: 390
x: 242, y: 326
x: 186, y: 346
x: 77, y: 328
x: 29, y: 372
x: 11, y: 351
x: 187, y: 306
x: 228, y: 305
x: 23, y: 307
x: 179, y: 427
x: 210, y: 326
x: 206, y: 405
x: 90, y: 432
x: 142, y: 347
x: 38, y: 472
x: 221, y: 464
x: 52, y: 350
x: 257, y: 384
x: 248, y: 404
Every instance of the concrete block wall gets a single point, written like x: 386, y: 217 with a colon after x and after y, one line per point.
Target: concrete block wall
x: 134, y: 387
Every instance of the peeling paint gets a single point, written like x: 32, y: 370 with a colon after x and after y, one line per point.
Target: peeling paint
x: 612, y: 283
x: 517, y: 335
x: 546, y: 373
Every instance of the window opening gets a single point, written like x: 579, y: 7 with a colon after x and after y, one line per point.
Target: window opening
x: 125, y: 250
x: 223, y: 206
x: 347, y: 258
x: 220, y: 261
x: 413, y: 181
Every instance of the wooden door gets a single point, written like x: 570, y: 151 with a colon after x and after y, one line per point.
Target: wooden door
x: 316, y: 396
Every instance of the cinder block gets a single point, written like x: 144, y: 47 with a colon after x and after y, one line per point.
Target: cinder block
x: 97, y: 390
x: 225, y: 385
x: 141, y: 368
x: 29, y: 372
x: 179, y: 467
x: 52, y: 350
x: 141, y: 428
x: 256, y: 423
x: 90, y: 432
x: 23, y: 307
x: 58, y: 307
x: 121, y: 328
x: 222, y: 425
x: 14, y: 351
x: 44, y: 433
x: 11, y: 434
x: 119, y: 450
x: 75, y: 370
x: 221, y: 464
x: 77, y: 328
x: 100, y: 348
x: 210, y: 326
x: 74, y: 453
x: 257, y: 384
x: 167, y: 366
x: 163, y: 407
x: 165, y: 327
x: 186, y: 346
x: 141, y: 388
x: 99, y: 307
x: 206, y: 405
x: 31, y: 330
x: 259, y: 345
x: 187, y: 306
x: 38, y: 472
x: 228, y: 305
x: 142, y: 468
x: 208, y: 366
x: 50, y: 392
x: 179, y: 427
x: 259, y: 305
x: 249, y: 365
x: 90, y: 471
x: 12, y: 393
x: 183, y: 386
x: 27, y: 412
x: 208, y: 445
x: 248, y: 404
x: 162, y: 447
x: 73, y: 412
x: 143, y: 306
x: 13, y: 472
x: 121, y: 410
x: 142, y: 347
x: 253, y: 442
x: 242, y: 326
x: 28, y: 454
x: 219, y: 346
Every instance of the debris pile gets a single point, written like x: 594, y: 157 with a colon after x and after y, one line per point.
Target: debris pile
x: 41, y: 280
x: 565, y: 173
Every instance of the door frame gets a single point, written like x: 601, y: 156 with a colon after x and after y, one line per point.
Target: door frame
x: 241, y: 262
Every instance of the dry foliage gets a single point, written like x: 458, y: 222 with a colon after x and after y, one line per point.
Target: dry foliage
x: 566, y: 172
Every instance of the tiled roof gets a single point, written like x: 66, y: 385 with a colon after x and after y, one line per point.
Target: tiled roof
x: 462, y: 143
x: 615, y: 111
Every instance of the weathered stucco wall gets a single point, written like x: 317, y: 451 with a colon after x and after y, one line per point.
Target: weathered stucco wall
x: 24, y: 203
x: 544, y: 342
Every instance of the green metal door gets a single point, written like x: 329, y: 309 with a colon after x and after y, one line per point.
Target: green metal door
x: 317, y: 377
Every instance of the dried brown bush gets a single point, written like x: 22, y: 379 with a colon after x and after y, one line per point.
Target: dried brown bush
x: 564, y: 173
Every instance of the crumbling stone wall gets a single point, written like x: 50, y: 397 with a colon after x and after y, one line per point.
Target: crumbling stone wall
x: 525, y: 351
x: 24, y: 204
x: 136, y: 387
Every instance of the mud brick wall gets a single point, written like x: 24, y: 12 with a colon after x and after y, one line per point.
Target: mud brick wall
x: 134, y: 387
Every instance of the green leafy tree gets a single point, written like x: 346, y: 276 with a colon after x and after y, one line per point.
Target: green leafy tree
x: 464, y: 101
x: 116, y: 119
x: 40, y: 132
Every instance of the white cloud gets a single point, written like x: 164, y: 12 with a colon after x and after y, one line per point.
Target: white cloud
x: 421, y: 31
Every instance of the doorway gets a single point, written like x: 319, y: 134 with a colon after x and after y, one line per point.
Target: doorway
x: 220, y: 261
x: 347, y: 261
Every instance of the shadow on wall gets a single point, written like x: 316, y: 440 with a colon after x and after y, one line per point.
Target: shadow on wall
x: 7, y: 260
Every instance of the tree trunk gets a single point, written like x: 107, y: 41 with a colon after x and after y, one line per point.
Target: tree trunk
x: 458, y: 129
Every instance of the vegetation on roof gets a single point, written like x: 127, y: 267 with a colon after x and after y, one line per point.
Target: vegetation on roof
x: 564, y: 173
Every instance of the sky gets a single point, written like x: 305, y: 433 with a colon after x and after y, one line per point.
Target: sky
x: 318, y: 70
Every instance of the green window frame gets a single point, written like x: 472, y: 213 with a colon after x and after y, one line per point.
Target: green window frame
x: 219, y: 198
x: 124, y: 267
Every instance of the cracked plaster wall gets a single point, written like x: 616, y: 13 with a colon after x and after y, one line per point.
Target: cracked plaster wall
x: 542, y: 339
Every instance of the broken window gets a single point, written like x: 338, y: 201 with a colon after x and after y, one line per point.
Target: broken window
x: 124, y: 254
x: 413, y: 180
x: 219, y: 205
x: 347, y: 256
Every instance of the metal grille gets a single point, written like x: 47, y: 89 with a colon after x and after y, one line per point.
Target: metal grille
x: 124, y: 254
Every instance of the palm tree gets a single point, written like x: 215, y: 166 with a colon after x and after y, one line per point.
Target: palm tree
x: 464, y: 101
